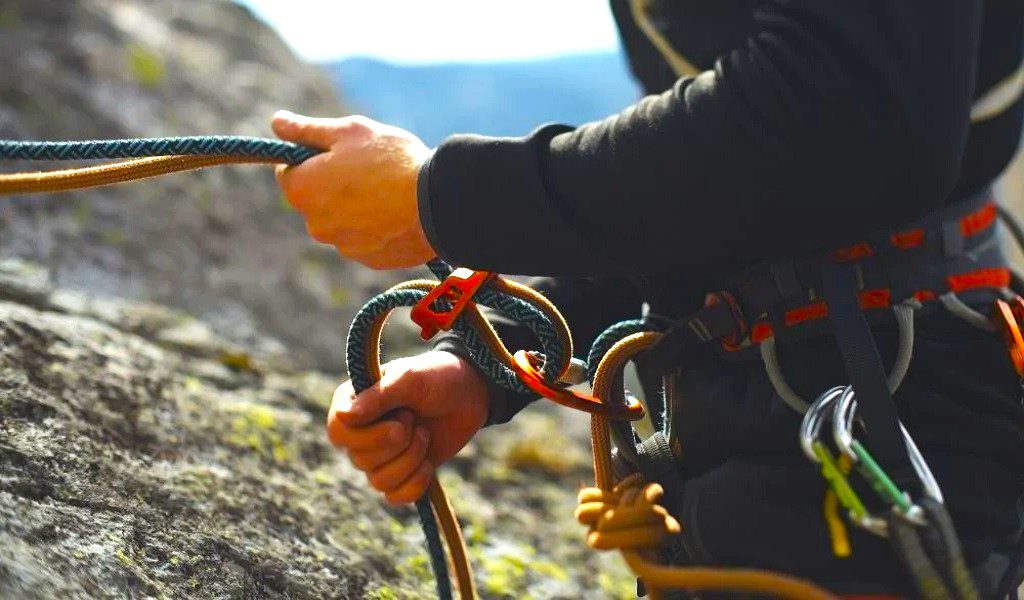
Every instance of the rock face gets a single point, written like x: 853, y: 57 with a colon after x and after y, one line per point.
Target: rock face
x: 142, y: 455
x: 161, y: 432
x: 220, y: 244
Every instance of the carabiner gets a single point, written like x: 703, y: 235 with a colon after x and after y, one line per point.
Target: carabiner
x: 819, y: 453
x: 525, y: 366
x: 842, y: 431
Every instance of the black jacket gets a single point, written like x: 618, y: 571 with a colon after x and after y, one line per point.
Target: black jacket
x: 809, y: 123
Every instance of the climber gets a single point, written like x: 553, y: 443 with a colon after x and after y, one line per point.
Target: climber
x: 775, y: 130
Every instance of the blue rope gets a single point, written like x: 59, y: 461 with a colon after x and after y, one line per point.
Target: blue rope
x: 203, y: 145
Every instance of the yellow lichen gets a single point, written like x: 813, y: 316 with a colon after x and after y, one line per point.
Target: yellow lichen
x: 254, y: 430
x: 617, y: 587
x: 238, y: 361
x: 147, y: 68
x: 123, y: 558
x: 384, y: 592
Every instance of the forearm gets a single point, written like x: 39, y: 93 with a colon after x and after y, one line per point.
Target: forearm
x: 800, y: 140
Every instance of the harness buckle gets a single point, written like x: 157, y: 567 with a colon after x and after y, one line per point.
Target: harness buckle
x: 458, y: 290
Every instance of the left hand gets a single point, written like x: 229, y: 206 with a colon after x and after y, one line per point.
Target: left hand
x: 360, y: 194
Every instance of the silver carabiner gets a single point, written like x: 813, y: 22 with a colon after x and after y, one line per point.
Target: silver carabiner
x: 814, y: 420
x: 810, y: 432
x: 842, y: 432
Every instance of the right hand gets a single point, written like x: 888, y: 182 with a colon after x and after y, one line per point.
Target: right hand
x: 420, y: 414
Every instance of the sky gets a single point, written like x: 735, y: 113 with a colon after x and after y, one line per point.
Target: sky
x: 432, y: 31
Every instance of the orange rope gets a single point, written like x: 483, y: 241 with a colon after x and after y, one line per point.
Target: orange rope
x: 109, y: 174
x: 632, y: 531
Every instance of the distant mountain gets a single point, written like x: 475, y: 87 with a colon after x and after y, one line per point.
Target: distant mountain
x: 509, y: 98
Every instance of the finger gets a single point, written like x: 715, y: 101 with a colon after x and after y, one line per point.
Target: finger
x: 414, y: 487
x: 391, y: 475
x: 641, y: 537
x: 369, y: 460
x: 369, y: 437
x: 299, y: 182
x: 307, y: 131
x: 402, y: 390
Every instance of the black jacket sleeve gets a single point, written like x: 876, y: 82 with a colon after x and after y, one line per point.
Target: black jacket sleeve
x: 837, y: 117
x: 589, y: 306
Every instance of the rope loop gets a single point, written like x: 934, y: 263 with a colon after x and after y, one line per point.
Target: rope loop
x: 627, y: 517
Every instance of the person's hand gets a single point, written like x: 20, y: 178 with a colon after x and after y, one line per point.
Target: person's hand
x: 360, y: 194
x: 421, y: 413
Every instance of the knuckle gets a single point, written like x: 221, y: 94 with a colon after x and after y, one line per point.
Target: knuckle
x: 335, y: 431
x: 360, y: 461
x: 381, y: 481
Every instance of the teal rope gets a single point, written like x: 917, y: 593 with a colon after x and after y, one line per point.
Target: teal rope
x: 205, y: 145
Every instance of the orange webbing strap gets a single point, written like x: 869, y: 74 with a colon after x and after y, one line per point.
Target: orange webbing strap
x: 636, y: 520
x: 118, y: 172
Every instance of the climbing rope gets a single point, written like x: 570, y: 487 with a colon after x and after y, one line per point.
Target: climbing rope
x: 623, y: 514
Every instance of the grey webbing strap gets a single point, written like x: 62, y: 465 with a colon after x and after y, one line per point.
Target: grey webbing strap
x: 658, y: 464
x: 867, y: 375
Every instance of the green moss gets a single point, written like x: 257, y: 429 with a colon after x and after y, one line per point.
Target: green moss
x: 83, y: 212
x: 418, y: 567
x: 254, y: 430
x: 504, y: 575
x: 617, y: 587
x: 340, y: 295
x: 192, y: 384
x: 146, y: 67
x: 113, y: 237
x: 237, y: 361
x: 384, y: 592
x: 10, y: 17
x: 123, y: 558
x: 548, y: 569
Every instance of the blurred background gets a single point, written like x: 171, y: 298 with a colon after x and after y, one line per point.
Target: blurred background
x: 168, y: 348
x: 453, y: 66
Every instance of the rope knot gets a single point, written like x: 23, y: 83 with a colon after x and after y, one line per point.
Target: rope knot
x: 626, y: 517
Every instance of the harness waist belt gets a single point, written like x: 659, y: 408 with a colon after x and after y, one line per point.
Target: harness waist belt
x: 952, y: 252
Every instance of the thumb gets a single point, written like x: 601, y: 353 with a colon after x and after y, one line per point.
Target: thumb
x: 374, y: 402
x: 307, y: 131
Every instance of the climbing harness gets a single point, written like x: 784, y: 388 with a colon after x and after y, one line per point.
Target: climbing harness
x: 769, y: 304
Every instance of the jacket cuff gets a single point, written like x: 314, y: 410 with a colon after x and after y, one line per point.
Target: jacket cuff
x: 483, y: 204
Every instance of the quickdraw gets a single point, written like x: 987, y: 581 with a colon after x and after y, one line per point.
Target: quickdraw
x: 920, y: 530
